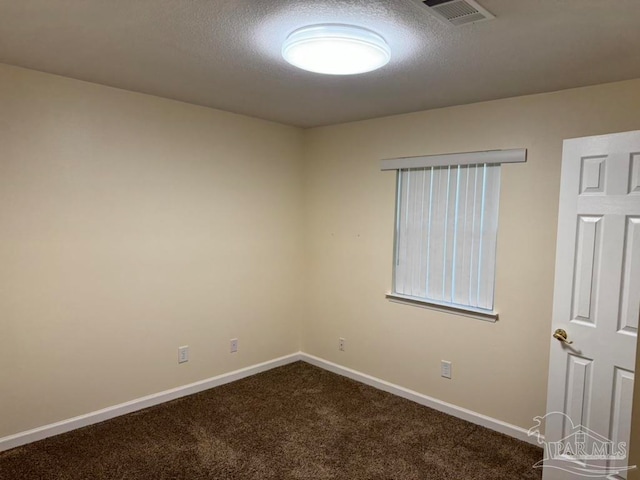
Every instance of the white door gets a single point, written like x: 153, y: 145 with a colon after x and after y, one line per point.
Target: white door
x: 597, y: 304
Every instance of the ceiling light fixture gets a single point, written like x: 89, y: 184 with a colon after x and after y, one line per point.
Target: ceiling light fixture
x: 335, y: 49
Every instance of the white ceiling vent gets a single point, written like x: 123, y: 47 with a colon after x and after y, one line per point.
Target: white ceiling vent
x: 458, y: 12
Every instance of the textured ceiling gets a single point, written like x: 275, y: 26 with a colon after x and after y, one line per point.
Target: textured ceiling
x: 226, y: 53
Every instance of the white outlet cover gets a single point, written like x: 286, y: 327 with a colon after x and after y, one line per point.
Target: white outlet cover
x: 233, y: 345
x: 445, y: 369
x: 183, y: 354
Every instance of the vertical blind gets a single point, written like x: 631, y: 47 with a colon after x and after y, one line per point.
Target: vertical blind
x: 446, y: 232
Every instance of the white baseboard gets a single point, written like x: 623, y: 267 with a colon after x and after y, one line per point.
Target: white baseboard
x: 22, y: 438
x: 448, y: 408
x: 57, y: 428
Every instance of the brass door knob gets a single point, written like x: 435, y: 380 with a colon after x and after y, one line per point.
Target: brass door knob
x: 561, y: 335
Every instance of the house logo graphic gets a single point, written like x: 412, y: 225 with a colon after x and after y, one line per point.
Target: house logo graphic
x: 581, y: 451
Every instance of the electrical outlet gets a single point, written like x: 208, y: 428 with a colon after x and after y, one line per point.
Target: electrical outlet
x: 233, y: 345
x: 445, y: 369
x: 183, y: 354
x: 341, y: 344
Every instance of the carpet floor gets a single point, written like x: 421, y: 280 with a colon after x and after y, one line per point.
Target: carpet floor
x: 293, y: 422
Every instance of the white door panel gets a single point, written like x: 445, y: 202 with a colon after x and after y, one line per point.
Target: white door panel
x: 596, y: 301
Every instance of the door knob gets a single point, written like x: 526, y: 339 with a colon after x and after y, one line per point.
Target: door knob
x: 561, y: 335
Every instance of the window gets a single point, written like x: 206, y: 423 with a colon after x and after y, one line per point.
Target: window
x: 446, y: 229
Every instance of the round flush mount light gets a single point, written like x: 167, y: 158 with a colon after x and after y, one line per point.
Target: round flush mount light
x: 336, y: 49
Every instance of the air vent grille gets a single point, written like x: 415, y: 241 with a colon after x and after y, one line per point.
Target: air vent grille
x: 458, y: 12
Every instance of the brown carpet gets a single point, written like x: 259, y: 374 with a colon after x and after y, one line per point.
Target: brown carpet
x: 294, y: 422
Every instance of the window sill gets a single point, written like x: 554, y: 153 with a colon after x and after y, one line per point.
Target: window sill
x: 455, y: 310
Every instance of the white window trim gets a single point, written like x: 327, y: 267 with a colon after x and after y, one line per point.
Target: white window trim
x: 518, y: 155
x: 486, y: 315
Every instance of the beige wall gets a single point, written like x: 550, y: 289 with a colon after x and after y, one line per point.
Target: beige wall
x: 131, y: 225
x: 499, y: 369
